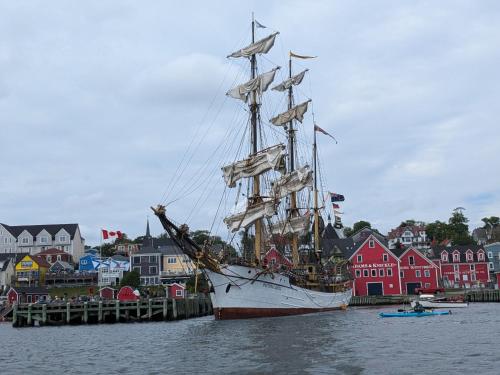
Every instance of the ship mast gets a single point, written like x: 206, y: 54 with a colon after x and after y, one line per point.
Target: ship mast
x: 317, y: 250
x: 254, y: 108
x: 291, y: 162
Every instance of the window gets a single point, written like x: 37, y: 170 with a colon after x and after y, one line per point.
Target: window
x: 417, y: 273
x: 444, y: 257
x: 365, y: 273
x: 381, y: 272
x: 137, y: 260
x: 385, y: 257
x: 480, y: 257
x: 427, y: 273
x: 465, y: 277
x: 178, y: 293
x: 58, y: 257
x: 490, y: 255
x: 411, y: 260
x: 371, y: 244
x: 389, y: 272
x: 28, y: 298
x: 153, y: 270
x: 152, y: 259
x: 473, y: 277
x: 456, y: 257
x: 171, y: 260
x: 360, y: 258
x: 469, y: 256
x: 43, y: 239
x: 121, y: 247
x: 25, y: 240
x: 491, y: 266
x: 358, y: 273
x: 62, y: 239
x: 83, y: 262
x: 427, y: 285
x: 472, y: 267
x: 401, y: 274
x: 374, y: 273
x: 455, y: 267
x: 457, y: 277
x: 49, y: 259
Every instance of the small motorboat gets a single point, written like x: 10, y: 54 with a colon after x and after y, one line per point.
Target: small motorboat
x: 408, y: 314
x: 430, y: 302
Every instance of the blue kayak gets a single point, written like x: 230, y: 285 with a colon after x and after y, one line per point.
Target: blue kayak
x: 406, y: 314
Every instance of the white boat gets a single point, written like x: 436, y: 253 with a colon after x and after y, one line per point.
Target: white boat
x: 277, y: 202
x: 241, y: 292
x: 429, y: 301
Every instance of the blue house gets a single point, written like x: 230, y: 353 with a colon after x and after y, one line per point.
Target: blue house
x: 89, y: 263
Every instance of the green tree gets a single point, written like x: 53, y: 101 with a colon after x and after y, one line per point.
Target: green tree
x: 360, y: 225
x: 459, y: 229
x: 491, y: 221
x: 408, y: 223
x: 437, y: 231
x: 348, y: 231
x: 132, y: 279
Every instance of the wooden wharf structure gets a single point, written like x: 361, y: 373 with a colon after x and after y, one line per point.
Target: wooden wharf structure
x: 380, y: 300
x: 111, y: 311
x: 482, y: 295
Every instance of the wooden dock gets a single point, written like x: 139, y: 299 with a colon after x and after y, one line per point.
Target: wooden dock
x: 483, y: 295
x: 379, y: 300
x: 157, y: 309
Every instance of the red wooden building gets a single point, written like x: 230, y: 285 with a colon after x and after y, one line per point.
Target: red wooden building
x: 107, y: 293
x: 176, y: 291
x: 416, y: 271
x: 375, y: 269
x: 27, y: 294
x: 126, y: 294
x: 463, y: 266
x: 52, y: 255
x: 275, y: 259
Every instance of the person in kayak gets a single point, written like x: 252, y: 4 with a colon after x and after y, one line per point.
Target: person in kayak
x: 418, y: 308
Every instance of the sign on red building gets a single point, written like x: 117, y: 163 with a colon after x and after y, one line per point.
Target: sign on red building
x: 417, y: 271
x: 375, y: 269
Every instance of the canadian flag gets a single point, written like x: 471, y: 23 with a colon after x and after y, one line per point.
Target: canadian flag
x: 109, y: 234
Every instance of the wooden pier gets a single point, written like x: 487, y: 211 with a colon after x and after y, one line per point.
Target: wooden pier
x: 157, y: 309
x: 379, y: 300
x: 483, y: 295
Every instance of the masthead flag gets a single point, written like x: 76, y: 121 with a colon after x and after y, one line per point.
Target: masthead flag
x: 336, y: 197
x: 301, y: 56
x: 318, y: 129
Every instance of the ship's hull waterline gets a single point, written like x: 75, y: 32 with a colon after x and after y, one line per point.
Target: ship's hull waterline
x: 240, y: 292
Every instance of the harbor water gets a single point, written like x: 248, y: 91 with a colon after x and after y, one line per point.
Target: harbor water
x: 356, y: 341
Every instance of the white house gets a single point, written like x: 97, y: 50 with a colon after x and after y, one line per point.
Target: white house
x: 31, y: 239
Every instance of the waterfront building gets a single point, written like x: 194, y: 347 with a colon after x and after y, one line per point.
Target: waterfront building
x: 31, y: 294
x: 416, y: 270
x: 408, y: 235
x: 176, y: 267
x: 463, y: 266
x: 176, y: 291
x: 31, y: 270
x: 375, y: 269
x: 126, y: 248
x: 126, y: 294
x: 493, y: 253
x: 61, y: 266
x: 89, y: 263
x: 147, y: 262
x: 7, y: 264
x: 32, y: 239
x: 275, y: 259
x: 53, y: 255
x: 107, y: 292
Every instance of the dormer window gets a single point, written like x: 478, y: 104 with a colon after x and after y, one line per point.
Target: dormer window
x: 469, y: 256
x: 456, y: 257
x: 62, y: 239
x: 480, y: 256
x: 371, y: 244
x: 25, y: 240
x: 444, y: 257
x: 43, y: 239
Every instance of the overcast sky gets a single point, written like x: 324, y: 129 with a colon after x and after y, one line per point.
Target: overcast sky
x: 100, y: 100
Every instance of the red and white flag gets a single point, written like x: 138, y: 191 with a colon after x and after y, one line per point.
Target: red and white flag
x: 110, y: 234
x: 318, y: 129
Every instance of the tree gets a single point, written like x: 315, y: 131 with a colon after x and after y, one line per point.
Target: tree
x: 407, y: 223
x: 437, y: 231
x: 491, y: 221
x: 132, y: 279
x: 348, y: 231
x: 459, y: 229
x: 360, y: 225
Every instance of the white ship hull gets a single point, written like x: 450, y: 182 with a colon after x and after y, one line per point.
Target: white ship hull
x: 238, y: 293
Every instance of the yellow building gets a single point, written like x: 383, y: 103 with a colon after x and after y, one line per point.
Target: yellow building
x: 31, y: 270
x: 175, y: 264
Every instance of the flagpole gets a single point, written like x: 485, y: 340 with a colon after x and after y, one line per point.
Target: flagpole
x: 316, y: 214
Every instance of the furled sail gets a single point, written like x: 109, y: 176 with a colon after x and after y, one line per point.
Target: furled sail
x: 266, y: 208
x: 262, y: 161
x: 297, y: 225
x: 293, y: 182
x: 259, y: 84
x: 295, y: 80
x: 261, y: 46
x: 296, y: 112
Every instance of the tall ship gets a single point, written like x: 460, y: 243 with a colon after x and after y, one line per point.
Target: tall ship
x: 281, y: 201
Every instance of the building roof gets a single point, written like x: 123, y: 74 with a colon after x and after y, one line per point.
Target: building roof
x: 40, y: 261
x: 63, y: 264
x: 437, y: 250
x: 53, y: 229
x: 52, y: 251
x: 341, y: 246
x: 361, y: 235
x: 398, y: 232
x: 5, y: 261
x: 120, y: 258
x: 330, y: 232
x: 30, y: 289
